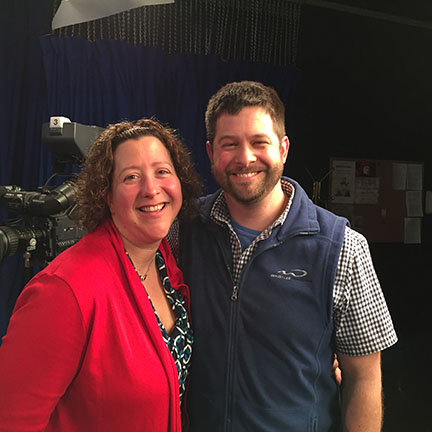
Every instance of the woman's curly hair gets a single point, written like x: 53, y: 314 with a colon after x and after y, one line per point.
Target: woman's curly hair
x: 94, y: 180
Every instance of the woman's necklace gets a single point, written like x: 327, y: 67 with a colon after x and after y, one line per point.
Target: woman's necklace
x: 142, y: 277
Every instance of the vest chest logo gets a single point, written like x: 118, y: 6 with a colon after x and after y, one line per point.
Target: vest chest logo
x: 289, y: 274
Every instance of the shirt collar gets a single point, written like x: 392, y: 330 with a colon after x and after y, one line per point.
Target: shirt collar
x: 220, y: 213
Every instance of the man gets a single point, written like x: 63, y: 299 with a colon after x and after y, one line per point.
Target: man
x: 278, y: 285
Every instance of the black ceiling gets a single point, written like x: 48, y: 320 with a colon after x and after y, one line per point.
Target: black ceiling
x: 420, y: 10
x: 366, y: 87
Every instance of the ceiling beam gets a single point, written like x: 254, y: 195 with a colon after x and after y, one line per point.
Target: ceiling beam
x: 368, y: 13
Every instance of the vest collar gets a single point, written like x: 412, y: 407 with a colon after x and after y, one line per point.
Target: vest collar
x: 301, y: 217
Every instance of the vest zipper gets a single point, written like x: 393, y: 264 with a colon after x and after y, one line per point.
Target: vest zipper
x: 232, y: 347
x: 228, y: 415
x: 227, y: 426
x: 234, y: 295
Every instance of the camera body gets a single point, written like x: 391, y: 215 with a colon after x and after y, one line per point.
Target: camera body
x: 43, y: 224
x: 40, y: 238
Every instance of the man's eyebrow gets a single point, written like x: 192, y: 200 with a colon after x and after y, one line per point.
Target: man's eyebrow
x: 226, y: 137
x: 258, y: 135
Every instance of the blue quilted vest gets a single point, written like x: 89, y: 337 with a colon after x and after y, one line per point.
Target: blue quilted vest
x: 262, y: 361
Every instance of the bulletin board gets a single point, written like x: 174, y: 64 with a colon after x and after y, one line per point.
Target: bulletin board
x: 383, y: 199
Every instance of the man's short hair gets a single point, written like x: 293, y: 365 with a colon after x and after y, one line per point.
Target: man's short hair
x: 235, y: 96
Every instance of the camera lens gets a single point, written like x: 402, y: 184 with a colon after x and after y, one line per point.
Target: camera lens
x: 14, y: 239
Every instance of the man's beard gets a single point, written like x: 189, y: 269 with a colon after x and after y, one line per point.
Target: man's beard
x: 250, y: 193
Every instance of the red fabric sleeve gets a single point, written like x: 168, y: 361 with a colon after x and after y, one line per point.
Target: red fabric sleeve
x: 174, y: 273
x: 40, y: 354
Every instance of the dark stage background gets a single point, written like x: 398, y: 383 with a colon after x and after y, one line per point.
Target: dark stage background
x: 356, y: 83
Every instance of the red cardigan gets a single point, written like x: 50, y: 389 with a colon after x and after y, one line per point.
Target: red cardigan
x: 84, y: 351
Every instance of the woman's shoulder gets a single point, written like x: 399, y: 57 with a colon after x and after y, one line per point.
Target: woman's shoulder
x: 88, y: 264
x: 89, y: 251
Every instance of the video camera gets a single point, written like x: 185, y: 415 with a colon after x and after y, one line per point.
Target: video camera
x: 43, y: 225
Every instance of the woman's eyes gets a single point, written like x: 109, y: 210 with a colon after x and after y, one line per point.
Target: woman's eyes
x: 131, y: 177
x: 158, y: 172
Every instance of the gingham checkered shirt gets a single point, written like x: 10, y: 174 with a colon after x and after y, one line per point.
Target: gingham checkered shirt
x: 361, y: 318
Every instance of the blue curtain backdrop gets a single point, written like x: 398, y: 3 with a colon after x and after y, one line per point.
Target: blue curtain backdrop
x: 103, y: 82
x: 22, y: 102
x: 107, y: 81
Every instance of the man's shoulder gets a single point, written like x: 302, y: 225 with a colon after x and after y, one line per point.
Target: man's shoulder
x: 207, y: 201
x: 355, y: 241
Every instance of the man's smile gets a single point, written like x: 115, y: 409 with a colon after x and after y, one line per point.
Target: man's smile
x: 246, y: 175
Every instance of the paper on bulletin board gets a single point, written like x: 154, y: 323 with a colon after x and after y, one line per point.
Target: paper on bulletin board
x: 366, y: 190
x: 414, y: 203
x: 366, y: 182
x: 428, y: 202
x: 343, y: 181
x: 412, y: 232
x: 414, y: 177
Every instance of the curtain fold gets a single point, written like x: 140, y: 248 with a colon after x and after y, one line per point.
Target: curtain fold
x: 107, y: 81
x: 23, y: 161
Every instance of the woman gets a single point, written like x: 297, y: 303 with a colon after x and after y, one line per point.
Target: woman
x: 100, y: 340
